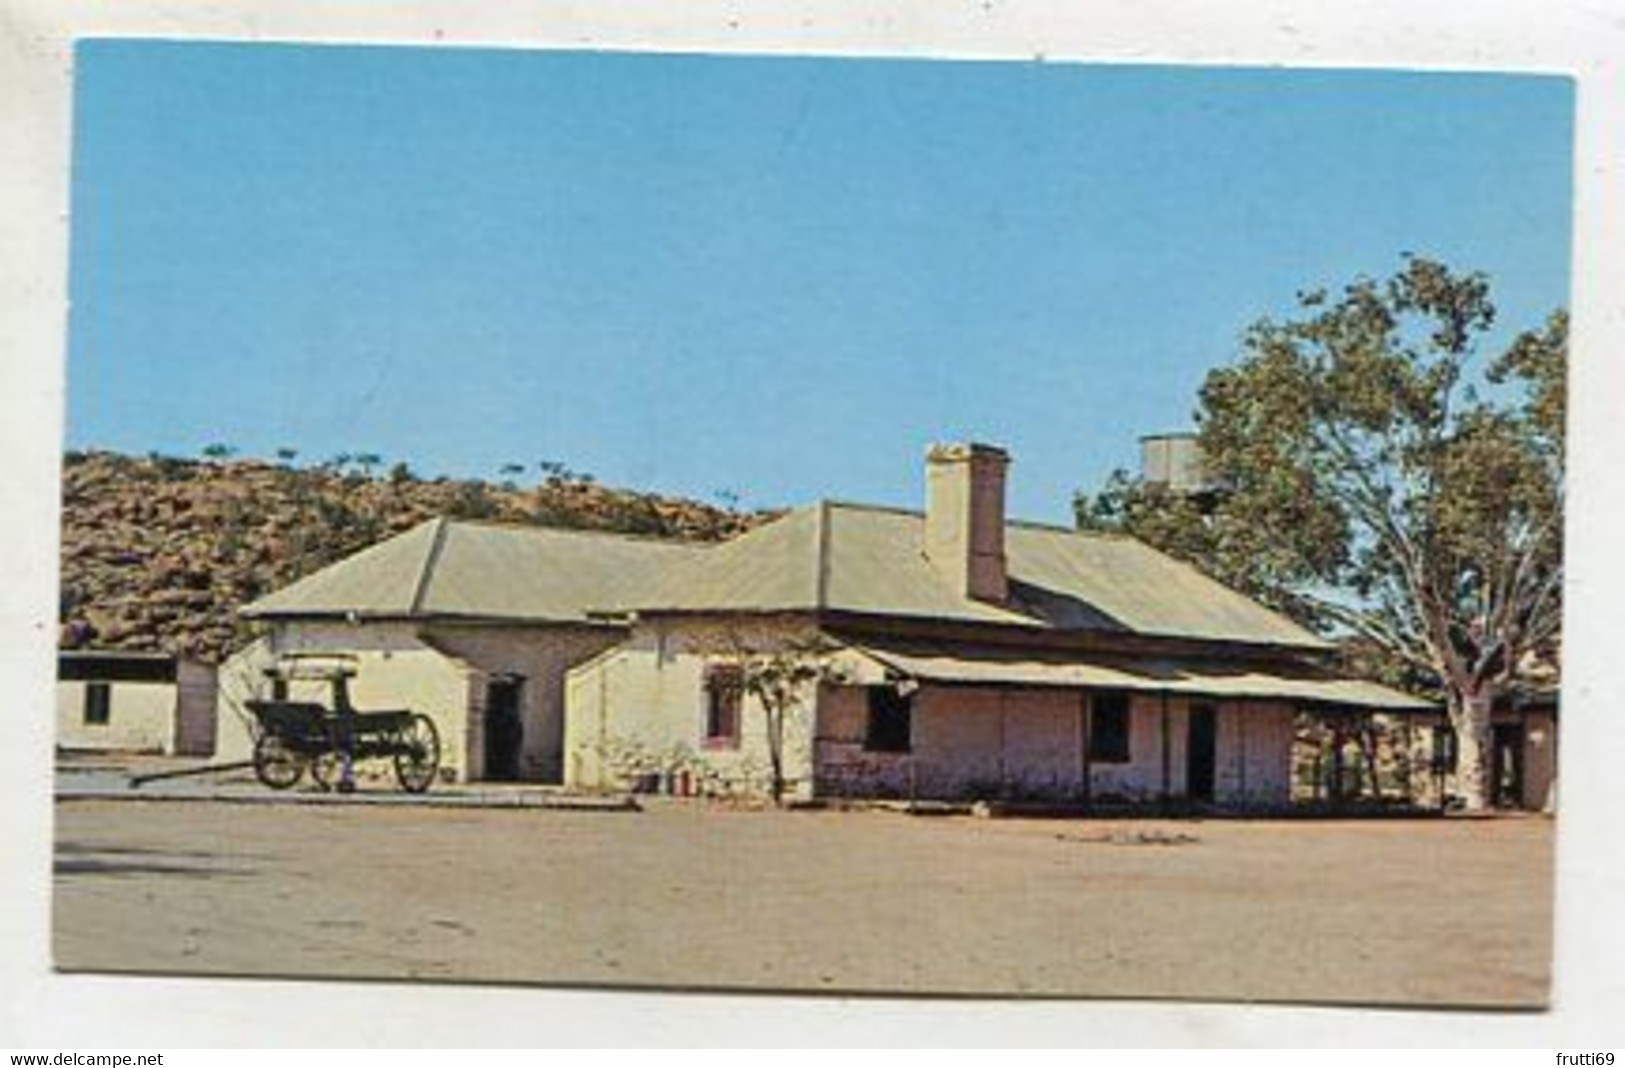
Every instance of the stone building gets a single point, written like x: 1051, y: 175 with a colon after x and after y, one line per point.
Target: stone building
x: 964, y: 655
x: 951, y: 653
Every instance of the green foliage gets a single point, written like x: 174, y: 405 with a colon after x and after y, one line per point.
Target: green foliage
x: 555, y: 473
x: 778, y: 677
x: 1377, y: 477
x: 1181, y: 525
x: 1538, y: 361
x: 510, y: 472
x: 1366, y: 460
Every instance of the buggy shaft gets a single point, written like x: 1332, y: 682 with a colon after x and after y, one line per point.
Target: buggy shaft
x: 207, y: 769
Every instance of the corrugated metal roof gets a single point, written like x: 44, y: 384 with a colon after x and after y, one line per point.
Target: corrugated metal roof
x: 866, y: 560
x: 449, y: 567
x: 770, y: 569
x: 381, y: 580
x: 540, y: 573
x: 829, y: 557
x: 1147, y: 675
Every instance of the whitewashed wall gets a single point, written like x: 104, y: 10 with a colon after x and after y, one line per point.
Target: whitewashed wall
x: 440, y: 670
x: 987, y: 741
x: 975, y: 741
x: 542, y: 656
x: 639, y: 709
x: 393, y: 670
x: 1142, y: 776
x: 240, y: 678
x: 141, y: 718
x: 1254, y: 759
x: 144, y: 717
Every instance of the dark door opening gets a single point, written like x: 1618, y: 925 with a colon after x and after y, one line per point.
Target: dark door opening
x: 1201, y: 752
x: 504, y: 729
x: 1506, y: 765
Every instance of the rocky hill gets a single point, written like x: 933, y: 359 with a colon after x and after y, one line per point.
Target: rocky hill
x: 159, y: 552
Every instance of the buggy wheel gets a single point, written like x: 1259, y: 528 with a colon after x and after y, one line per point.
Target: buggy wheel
x: 277, y: 764
x: 417, y: 754
x: 327, y: 768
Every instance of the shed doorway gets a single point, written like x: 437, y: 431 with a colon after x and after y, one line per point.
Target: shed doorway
x: 504, y: 728
x: 1506, y: 767
x: 1201, y: 752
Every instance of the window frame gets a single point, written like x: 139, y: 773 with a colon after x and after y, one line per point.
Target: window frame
x: 98, y: 707
x: 1104, y: 706
x: 724, y: 684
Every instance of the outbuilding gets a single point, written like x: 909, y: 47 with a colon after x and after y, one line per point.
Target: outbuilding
x: 134, y: 702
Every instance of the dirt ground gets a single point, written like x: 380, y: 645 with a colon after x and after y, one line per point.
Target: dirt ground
x: 1432, y: 911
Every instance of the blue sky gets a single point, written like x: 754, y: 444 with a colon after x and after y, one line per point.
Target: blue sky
x: 777, y: 277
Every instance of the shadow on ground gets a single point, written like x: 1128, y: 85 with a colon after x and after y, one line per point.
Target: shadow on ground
x: 73, y: 858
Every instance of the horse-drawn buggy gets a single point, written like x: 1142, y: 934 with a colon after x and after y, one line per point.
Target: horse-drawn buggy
x: 293, y: 735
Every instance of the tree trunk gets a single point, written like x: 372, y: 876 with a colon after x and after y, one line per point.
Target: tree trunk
x: 1367, y: 739
x: 775, y: 752
x: 1470, y: 718
x: 1335, y: 789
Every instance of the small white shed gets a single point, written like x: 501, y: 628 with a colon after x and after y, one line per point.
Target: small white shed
x: 116, y: 701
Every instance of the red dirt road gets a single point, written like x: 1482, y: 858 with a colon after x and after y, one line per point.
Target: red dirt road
x: 1412, y: 912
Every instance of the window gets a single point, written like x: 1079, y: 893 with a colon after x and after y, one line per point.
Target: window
x: 98, y: 703
x: 724, y: 692
x: 890, y: 726
x: 1108, y: 728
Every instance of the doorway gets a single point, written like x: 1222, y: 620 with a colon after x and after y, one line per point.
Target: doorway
x: 1506, y: 764
x: 1201, y: 752
x: 504, y: 728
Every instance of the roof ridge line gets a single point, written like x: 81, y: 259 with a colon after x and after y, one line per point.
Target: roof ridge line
x: 821, y: 578
x: 430, y: 559
x: 1009, y: 521
x: 526, y: 527
x: 869, y: 506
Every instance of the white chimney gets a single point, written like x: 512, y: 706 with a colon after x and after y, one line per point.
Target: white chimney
x: 964, y: 518
x: 1173, y: 461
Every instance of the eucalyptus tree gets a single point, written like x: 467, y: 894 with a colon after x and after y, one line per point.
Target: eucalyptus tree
x: 1375, y: 472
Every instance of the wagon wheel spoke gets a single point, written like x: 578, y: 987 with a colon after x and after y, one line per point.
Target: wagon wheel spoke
x: 417, y: 754
x: 326, y: 768
x: 276, y: 763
